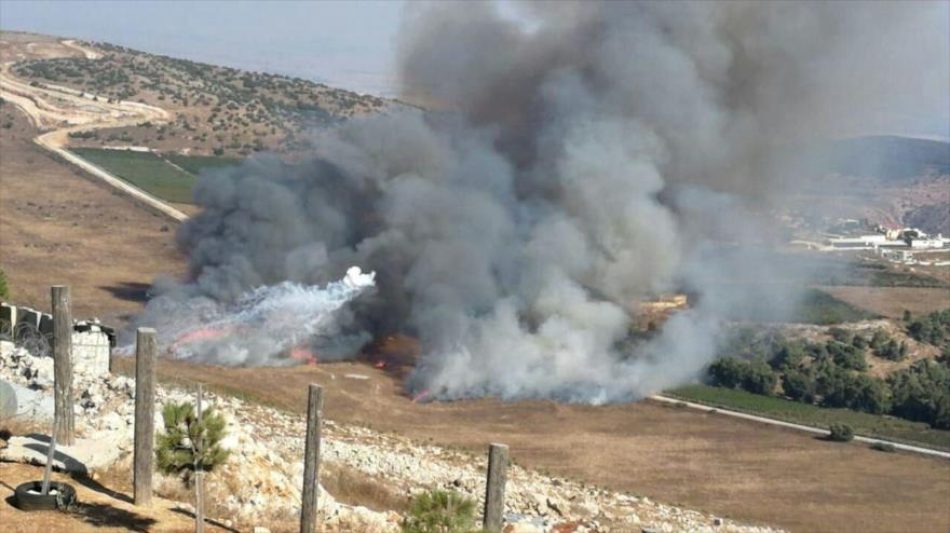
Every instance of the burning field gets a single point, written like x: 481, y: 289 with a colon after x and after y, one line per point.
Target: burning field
x: 586, y: 156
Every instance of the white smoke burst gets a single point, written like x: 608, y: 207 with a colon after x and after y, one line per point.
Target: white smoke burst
x: 273, y: 324
x: 611, y: 152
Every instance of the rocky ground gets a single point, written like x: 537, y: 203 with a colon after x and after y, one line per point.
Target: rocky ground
x: 260, y: 484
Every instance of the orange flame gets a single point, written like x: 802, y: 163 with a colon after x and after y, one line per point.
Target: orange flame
x: 302, y: 354
x: 421, y: 396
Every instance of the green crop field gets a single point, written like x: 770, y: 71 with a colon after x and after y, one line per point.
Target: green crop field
x: 885, y: 427
x: 145, y: 170
x: 196, y: 164
x: 154, y: 174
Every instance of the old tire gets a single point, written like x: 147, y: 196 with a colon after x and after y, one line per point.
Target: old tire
x: 27, y: 498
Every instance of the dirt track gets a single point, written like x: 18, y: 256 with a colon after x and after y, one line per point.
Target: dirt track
x: 60, y: 226
x: 63, y: 111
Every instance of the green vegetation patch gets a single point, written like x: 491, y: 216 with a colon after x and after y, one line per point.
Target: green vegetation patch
x: 196, y: 164
x: 819, y: 307
x: 145, y: 170
x: 885, y: 427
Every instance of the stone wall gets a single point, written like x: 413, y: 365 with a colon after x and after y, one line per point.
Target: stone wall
x: 92, y: 341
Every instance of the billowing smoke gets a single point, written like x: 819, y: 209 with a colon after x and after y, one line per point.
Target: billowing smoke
x: 582, y: 157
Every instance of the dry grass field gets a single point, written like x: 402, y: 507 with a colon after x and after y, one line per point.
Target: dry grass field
x: 58, y: 227
x: 892, y: 301
x: 734, y: 468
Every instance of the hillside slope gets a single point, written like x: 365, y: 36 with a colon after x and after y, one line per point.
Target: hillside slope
x: 217, y: 110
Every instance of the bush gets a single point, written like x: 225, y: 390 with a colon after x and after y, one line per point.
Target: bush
x: 754, y: 376
x: 840, y: 433
x: 859, y: 342
x: 846, y: 355
x: 440, y: 511
x: 841, y: 335
x: 883, y: 447
x: 4, y: 288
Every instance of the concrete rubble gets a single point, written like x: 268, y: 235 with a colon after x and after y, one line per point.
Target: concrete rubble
x: 260, y: 484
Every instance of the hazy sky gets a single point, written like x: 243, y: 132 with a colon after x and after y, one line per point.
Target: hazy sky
x: 348, y: 44
x: 345, y: 44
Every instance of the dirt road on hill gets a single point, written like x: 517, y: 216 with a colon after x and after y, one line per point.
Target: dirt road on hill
x: 60, y: 111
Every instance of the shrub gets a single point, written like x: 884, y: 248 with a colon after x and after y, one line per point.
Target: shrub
x: 440, y: 511
x: 859, y: 342
x: 799, y: 386
x: 754, y: 376
x: 846, y: 355
x: 840, y: 433
x: 841, y: 335
x: 4, y: 288
x: 883, y: 447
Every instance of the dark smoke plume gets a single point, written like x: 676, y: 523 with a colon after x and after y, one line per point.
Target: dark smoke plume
x: 583, y: 157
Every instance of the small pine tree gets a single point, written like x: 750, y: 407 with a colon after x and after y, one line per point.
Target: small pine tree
x: 440, y: 511
x: 189, y: 443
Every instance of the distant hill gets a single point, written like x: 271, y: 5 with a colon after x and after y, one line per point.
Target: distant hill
x: 888, y: 158
x: 217, y: 110
x: 933, y: 218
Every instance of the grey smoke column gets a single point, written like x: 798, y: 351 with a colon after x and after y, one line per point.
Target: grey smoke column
x: 598, y: 155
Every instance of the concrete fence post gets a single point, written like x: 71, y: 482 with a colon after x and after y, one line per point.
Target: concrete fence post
x: 495, y: 487
x: 144, y: 456
x: 311, y: 461
x: 62, y: 366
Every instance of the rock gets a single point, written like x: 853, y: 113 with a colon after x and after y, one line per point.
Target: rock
x: 261, y: 529
x: 523, y: 527
x: 555, y: 505
x: 33, y: 451
x: 8, y: 403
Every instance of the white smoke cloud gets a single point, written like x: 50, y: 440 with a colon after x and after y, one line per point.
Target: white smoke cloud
x: 609, y: 152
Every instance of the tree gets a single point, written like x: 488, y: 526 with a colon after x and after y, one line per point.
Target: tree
x: 190, y: 446
x: 440, y: 511
x: 799, y: 386
x: 869, y: 394
x: 759, y: 378
x: 878, y: 340
x: 728, y: 372
x: 859, y: 342
x: 892, y: 350
x: 922, y: 392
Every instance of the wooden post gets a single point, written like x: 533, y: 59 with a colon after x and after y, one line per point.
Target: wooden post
x: 62, y: 366
x: 144, y: 455
x: 495, y: 489
x: 199, y: 475
x: 311, y: 461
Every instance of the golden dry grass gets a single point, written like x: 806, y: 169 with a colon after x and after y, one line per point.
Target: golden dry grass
x: 733, y: 468
x: 59, y: 227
